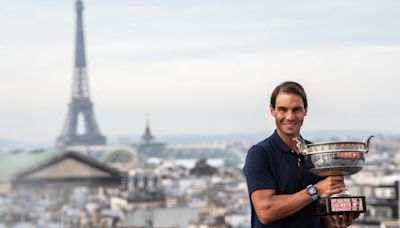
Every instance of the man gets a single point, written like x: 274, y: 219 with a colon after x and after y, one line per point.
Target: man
x: 281, y: 189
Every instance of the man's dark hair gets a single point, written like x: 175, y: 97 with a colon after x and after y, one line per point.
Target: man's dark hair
x: 289, y: 87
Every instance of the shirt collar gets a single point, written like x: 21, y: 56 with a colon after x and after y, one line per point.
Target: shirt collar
x: 282, y: 146
x: 280, y: 143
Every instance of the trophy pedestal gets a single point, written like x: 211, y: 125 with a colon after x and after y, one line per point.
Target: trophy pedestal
x: 341, y: 204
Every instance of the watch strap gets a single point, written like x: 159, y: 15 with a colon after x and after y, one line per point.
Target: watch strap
x: 312, y: 192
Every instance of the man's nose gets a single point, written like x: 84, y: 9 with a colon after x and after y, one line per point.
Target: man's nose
x: 290, y: 115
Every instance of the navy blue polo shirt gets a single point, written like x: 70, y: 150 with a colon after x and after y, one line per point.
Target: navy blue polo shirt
x: 270, y: 164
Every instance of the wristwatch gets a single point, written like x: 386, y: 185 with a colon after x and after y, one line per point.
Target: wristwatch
x: 313, y: 192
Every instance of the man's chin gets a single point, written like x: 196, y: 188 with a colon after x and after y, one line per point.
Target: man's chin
x: 292, y: 132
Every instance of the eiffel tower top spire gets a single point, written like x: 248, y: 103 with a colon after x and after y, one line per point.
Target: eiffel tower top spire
x: 80, y: 88
x: 80, y: 60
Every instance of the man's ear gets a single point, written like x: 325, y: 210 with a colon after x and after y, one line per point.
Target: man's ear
x: 271, y: 110
x: 305, y: 113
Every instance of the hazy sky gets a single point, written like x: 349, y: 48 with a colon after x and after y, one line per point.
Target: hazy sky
x: 200, y: 66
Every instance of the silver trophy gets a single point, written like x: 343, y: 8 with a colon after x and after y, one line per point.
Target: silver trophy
x: 332, y: 159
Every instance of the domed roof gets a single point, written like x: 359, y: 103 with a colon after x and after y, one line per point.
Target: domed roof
x: 121, y: 155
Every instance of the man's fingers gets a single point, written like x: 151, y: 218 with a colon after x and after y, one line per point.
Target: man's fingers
x: 336, y: 188
x: 337, y: 220
x: 350, y: 219
x: 337, y: 178
x: 336, y: 191
x: 343, y: 220
x: 338, y: 185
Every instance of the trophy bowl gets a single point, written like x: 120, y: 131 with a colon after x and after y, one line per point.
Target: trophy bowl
x: 341, y: 158
x: 334, y: 158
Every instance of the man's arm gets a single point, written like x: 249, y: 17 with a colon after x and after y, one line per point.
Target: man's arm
x: 270, y: 207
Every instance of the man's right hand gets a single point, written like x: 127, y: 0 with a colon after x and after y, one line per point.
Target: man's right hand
x: 329, y: 186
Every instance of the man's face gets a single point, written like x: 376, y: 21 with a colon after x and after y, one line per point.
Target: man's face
x: 289, y: 114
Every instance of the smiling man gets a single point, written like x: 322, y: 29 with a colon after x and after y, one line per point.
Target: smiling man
x: 283, y: 193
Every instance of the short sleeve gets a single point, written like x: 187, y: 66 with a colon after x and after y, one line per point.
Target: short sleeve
x: 257, y: 170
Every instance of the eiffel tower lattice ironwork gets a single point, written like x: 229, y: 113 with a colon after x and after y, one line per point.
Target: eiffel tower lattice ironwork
x: 80, y: 104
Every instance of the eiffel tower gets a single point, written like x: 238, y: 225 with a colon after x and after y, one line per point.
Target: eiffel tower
x: 80, y: 104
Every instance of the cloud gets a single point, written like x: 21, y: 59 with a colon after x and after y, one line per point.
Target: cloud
x: 200, y: 66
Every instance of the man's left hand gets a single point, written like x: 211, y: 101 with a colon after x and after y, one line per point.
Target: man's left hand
x: 343, y: 220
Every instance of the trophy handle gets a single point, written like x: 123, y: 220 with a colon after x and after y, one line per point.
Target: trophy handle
x: 301, y: 145
x: 367, y: 143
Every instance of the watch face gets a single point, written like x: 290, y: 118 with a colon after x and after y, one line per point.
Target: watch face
x: 311, y: 190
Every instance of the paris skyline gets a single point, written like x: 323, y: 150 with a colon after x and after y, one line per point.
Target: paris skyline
x: 199, y: 67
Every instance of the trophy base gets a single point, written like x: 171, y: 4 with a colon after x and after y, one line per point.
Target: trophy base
x: 341, y: 204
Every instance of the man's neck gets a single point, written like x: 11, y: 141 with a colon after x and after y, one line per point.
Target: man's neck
x: 288, y: 139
